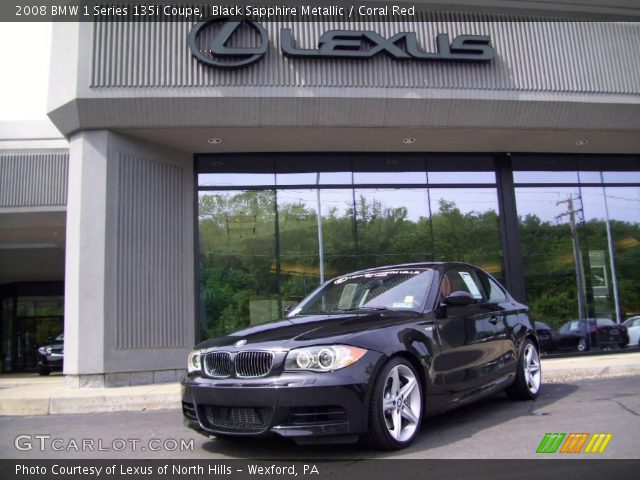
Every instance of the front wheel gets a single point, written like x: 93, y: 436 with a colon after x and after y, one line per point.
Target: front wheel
x: 529, y: 374
x: 395, y: 413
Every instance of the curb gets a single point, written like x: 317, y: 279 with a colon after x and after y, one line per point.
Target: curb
x: 590, y: 373
x: 101, y: 403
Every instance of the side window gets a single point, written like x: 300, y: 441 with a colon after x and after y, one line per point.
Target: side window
x: 494, y: 291
x: 460, y: 280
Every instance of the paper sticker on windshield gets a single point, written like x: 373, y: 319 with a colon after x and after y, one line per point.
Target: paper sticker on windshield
x: 402, y: 305
x: 382, y: 273
x: 471, y: 285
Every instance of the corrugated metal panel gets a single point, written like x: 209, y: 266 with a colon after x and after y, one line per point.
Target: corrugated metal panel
x: 33, y: 179
x: 150, y: 253
x: 582, y: 57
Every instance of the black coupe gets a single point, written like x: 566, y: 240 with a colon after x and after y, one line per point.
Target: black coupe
x: 367, y: 354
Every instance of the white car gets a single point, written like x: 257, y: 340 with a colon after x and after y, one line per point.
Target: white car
x: 633, y: 327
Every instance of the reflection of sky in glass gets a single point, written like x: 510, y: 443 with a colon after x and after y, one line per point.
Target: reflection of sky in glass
x: 468, y: 200
x: 542, y: 202
x: 414, y: 200
x: 623, y: 202
x: 462, y: 177
x: 621, y: 177
x: 235, y: 179
x: 545, y: 177
x: 340, y: 200
x: 389, y: 177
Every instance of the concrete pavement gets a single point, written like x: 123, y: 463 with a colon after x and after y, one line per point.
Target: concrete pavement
x: 29, y: 394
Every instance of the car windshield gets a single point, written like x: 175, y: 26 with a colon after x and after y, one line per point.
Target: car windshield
x: 401, y: 289
x: 542, y: 326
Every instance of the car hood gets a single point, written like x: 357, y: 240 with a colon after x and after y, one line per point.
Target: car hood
x: 311, y: 329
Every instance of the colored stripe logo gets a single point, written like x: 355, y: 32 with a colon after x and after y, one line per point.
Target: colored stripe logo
x: 574, y: 443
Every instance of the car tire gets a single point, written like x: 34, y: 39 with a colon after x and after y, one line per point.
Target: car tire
x: 528, y: 381
x: 396, y: 407
x: 44, y: 371
x: 582, y: 346
x: 622, y: 345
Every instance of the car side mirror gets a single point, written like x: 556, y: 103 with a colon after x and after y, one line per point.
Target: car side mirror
x: 459, y: 299
x: 289, y: 309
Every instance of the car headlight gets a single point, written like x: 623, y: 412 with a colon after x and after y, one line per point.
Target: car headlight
x: 41, y: 350
x: 323, y: 358
x: 193, y: 362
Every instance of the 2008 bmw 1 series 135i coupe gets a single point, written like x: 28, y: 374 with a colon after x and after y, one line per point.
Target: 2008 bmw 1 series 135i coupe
x: 367, y: 354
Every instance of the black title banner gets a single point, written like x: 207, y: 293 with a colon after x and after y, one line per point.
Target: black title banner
x: 263, y: 10
x: 356, y: 469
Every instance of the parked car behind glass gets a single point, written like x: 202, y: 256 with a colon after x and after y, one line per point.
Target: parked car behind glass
x: 555, y: 342
x: 367, y: 354
x: 50, y: 357
x: 633, y: 329
x: 600, y: 333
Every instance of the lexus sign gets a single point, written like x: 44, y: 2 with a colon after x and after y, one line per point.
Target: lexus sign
x: 218, y: 42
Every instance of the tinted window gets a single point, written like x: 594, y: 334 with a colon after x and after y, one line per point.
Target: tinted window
x: 493, y: 290
x: 461, y: 280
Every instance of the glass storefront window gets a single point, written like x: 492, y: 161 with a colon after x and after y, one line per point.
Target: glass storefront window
x: 461, y: 177
x: 547, y: 252
x: 299, y: 244
x: 268, y: 239
x: 621, y: 177
x: 339, y: 231
x: 546, y: 177
x: 389, y: 178
x: 466, y: 227
x: 237, y: 259
x: 560, y: 260
x: 393, y: 226
x: 236, y: 179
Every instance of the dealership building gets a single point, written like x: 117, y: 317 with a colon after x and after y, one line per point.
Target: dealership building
x: 207, y: 176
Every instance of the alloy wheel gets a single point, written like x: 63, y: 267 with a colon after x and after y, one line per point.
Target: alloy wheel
x: 532, y: 372
x: 401, y: 403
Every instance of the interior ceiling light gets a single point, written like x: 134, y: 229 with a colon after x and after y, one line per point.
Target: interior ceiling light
x: 408, y: 140
x: 581, y: 142
x: 214, y: 140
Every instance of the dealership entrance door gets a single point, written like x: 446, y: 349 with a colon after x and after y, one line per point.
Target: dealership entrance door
x: 32, y: 316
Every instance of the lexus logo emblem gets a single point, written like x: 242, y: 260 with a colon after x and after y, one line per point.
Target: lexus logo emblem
x: 218, y: 52
x: 240, y: 343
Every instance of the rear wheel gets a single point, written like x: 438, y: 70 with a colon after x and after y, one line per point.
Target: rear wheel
x: 43, y: 371
x: 529, y: 374
x: 395, y: 412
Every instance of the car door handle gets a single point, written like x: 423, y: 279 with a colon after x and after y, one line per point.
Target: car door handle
x: 493, y: 320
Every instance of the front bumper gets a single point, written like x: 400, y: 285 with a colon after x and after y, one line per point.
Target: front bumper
x: 54, y: 362
x: 290, y: 405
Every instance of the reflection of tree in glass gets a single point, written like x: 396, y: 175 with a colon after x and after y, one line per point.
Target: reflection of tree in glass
x: 550, y: 272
